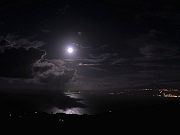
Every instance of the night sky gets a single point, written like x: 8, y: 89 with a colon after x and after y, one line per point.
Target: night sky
x: 118, y: 44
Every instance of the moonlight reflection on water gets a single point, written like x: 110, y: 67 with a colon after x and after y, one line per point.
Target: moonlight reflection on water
x: 72, y: 110
x: 75, y: 110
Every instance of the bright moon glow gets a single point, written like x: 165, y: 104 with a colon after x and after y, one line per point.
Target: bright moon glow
x: 70, y: 50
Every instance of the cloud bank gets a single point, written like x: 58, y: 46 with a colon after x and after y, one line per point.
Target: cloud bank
x: 52, y: 71
x: 23, y: 59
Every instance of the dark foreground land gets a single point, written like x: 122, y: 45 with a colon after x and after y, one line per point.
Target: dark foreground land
x: 158, y: 118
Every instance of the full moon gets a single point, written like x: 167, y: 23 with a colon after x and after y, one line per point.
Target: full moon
x: 70, y: 50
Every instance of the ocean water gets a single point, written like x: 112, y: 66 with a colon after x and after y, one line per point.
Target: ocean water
x: 108, y: 102
x: 82, y: 102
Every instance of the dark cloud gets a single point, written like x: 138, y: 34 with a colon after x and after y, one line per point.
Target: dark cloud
x: 52, y: 72
x: 159, y: 51
x: 13, y: 41
x: 17, y: 62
